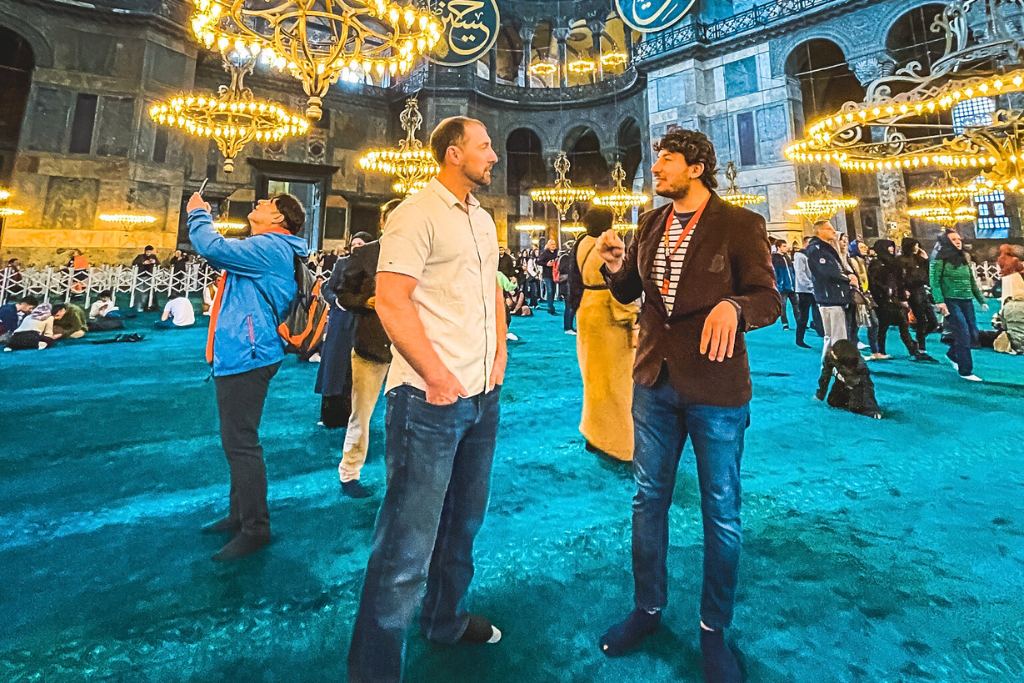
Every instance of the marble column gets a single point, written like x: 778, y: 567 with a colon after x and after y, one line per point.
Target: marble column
x: 892, y: 187
x: 526, y: 35
x: 492, y: 63
x: 562, y: 36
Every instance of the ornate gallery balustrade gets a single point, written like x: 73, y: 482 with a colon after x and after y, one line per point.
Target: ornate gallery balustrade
x: 461, y: 80
x: 759, y: 17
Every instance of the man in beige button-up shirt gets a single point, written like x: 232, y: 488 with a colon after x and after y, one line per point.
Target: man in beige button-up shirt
x: 440, y: 303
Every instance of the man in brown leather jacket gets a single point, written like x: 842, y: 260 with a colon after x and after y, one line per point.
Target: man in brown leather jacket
x: 704, y: 269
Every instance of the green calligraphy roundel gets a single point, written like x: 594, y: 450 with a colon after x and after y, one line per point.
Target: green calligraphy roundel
x: 650, y: 16
x: 470, y: 29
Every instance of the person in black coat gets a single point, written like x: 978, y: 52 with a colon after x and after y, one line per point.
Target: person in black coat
x: 914, y: 262
x: 889, y: 290
x: 853, y: 389
x: 831, y: 282
x: 334, y: 377
x: 370, y: 358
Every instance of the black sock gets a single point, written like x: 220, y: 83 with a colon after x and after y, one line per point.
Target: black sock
x: 629, y: 633
x: 241, y: 545
x: 720, y: 665
x: 480, y: 630
x: 353, y: 489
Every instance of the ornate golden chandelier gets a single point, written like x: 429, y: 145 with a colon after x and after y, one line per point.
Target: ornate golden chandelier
x: 231, y: 228
x: 316, y: 39
x: 614, y: 58
x: 582, y: 66
x: 8, y: 211
x: 543, y: 68
x: 943, y: 215
x: 820, y: 203
x: 733, y: 195
x: 410, y: 163
x: 888, y: 131
x: 127, y: 220
x: 234, y: 117
x: 620, y: 200
x: 563, y: 195
x: 531, y: 227
x: 574, y: 229
x: 948, y: 197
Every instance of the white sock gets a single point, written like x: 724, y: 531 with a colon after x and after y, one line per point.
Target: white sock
x: 711, y: 630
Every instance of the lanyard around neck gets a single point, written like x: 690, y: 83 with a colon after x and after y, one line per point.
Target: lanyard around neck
x: 670, y: 251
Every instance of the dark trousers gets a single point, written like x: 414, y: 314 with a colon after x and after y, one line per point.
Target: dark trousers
x: 925, y: 321
x: 240, y: 401
x: 547, y: 289
x: 532, y: 291
x: 569, y: 314
x: 439, y: 474
x: 808, y: 308
x: 794, y: 300
x: 900, y: 321
x: 963, y: 328
x: 662, y: 423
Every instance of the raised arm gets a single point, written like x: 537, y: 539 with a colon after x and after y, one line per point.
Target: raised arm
x: 620, y: 267
x: 241, y: 257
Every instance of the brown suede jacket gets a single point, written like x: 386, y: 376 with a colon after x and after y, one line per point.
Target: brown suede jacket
x: 728, y: 259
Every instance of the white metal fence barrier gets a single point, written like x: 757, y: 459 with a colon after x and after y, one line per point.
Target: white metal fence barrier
x: 55, y: 284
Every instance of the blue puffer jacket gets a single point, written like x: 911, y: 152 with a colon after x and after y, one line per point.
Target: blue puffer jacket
x: 831, y: 284
x: 261, y: 272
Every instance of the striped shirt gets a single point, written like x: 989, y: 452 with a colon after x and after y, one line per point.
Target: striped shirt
x: 675, y: 267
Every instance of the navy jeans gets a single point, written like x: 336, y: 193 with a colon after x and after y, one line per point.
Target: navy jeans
x: 662, y: 422
x: 547, y: 292
x: 439, y: 474
x: 963, y: 326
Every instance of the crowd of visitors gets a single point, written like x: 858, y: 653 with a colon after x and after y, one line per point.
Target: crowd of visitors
x: 847, y: 286
x: 660, y: 325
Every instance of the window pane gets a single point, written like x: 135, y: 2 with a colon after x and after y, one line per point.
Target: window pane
x: 83, y: 123
x: 748, y: 144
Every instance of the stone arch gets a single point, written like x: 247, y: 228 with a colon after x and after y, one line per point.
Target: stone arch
x: 17, y: 63
x: 826, y: 79
x: 588, y: 165
x: 629, y: 141
x: 909, y: 37
x: 42, y: 51
x: 783, y: 50
x: 525, y: 167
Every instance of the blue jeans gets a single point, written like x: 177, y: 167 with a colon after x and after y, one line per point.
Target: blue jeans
x: 662, y: 422
x: 547, y: 293
x: 963, y: 326
x: 439, y: 472
x: 169, y: 325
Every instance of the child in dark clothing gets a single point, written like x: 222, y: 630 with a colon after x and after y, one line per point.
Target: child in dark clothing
x: 853, y: 390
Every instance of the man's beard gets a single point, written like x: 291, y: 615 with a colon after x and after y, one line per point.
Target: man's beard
x: 677, y: 191
x: 481, y: 179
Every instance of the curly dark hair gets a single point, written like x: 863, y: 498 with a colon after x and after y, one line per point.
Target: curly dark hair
x: 696, y: 149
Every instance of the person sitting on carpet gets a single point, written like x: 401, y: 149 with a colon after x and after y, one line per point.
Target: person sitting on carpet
x: 1010, y: 318
x: 69, y: 321
x: 178, y: 312
x: 104, y: 306
x: 35, y: 331
x: 11, y: 316
x: 853, y: 390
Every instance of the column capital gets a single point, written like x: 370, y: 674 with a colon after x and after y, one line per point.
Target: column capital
x: 869, y: 68
x: 561, y: 33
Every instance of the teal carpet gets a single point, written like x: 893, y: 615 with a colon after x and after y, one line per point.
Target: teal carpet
x: 874, y: 551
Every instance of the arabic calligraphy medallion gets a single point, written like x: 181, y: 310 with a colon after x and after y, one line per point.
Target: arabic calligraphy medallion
x: 470, y: 29
x: 650, y: 16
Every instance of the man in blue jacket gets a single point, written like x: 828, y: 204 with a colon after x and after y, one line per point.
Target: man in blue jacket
x: 245, y: 349
x: 831, y: 283
x: 785, y: 280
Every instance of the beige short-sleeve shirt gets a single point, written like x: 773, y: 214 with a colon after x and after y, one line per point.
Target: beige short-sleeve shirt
x: 451, y: 248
